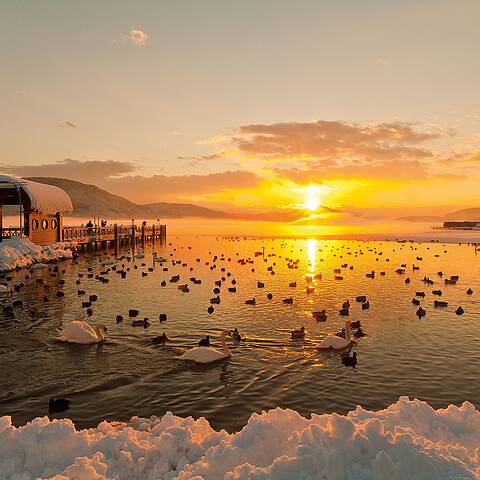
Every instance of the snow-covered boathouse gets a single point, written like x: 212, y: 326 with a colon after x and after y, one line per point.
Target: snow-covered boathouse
x: 41, y: 208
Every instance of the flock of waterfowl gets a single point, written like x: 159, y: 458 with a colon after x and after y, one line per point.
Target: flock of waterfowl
x: 80, y: 331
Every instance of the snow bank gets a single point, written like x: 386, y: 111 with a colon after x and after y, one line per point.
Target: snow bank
x: 408, y: 440
x: 21, y: 252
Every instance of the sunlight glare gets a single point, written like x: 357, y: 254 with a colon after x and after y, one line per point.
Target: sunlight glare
x: 312, y: 254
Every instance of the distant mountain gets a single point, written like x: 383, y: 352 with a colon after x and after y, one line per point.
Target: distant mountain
x: 467, y: 214
x: 162, y: 209
x: 421, y: 218
x: 90, y: 201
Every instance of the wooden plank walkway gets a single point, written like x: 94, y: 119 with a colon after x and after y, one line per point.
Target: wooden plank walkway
x: 112, y: 236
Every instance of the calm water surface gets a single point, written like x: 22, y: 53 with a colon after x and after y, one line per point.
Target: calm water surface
x: 436, y: 358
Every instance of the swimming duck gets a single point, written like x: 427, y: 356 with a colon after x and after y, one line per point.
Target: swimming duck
x: 204, y: 342
x: 350, y: 361
x: 359, y: 333
x: 161, y: 339
x: 58, y: 405
x: 320, y: 316
x: 298, y: 333
x: 236, y: 335
x: 421, y: 312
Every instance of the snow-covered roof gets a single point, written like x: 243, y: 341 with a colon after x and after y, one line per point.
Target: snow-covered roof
x: 44, y: 198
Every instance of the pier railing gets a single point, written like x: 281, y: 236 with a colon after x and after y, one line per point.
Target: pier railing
x: 9, y: 232
x: 120, y: 232
x: 113, y: 235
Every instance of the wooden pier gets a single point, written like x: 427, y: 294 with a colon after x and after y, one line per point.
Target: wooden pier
x: 113, y: 237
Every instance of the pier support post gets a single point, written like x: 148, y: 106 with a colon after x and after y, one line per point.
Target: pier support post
x: 133, y: 237
x: 115, y: 239
x: 143, y: 235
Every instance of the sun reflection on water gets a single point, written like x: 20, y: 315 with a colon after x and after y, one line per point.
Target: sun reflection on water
x: 312, y: 254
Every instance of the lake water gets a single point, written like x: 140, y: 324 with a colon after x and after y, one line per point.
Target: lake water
x: 436, y: 358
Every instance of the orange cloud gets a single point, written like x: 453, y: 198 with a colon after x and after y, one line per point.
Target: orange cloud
x: 333, y: 140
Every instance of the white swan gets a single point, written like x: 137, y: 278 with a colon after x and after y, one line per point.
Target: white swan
x: 337, y: 343
x: 208, y: 354
x: 108, y: 262
x: 38, y: 266
x: 82, y: 332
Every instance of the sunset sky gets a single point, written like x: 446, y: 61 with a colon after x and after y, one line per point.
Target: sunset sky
x: 343, y: 110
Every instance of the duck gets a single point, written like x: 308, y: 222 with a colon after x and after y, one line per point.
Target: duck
x: 337, y: 343
x: 205, y: 355
x: 415, y: 301
x: 161, y: 339
x: 366, y: 305
x: 356, y: 324
x: 469, y: 291
x: 250, y: 302
x: 204, y: 342
x: 359, y: 333
x: 236, y: 335
x: 459, y: 311
x: 341, y: 334
x: 82, y: 333
x: 58, y: 405
x: 320, y: 316
x: 350, y: 361
x: 141, y: 323
x: 421, y: 312
x: 298, y: 333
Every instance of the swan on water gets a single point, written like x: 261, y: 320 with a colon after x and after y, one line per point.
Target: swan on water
x: 38, y: 266
x: 208, y: 354
x: 82, y: 332
x: 337, y: 343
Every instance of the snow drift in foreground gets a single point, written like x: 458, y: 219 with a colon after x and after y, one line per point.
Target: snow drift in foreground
x: 21, y: 252
x: 408, y: 440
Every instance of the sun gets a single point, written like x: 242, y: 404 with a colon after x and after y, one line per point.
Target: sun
x: 312, y: 198
x: 311, y: 204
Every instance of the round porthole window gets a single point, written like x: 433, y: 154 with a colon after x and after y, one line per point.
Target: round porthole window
x: 45, y: 224
x: 54, y: 224
x: 35, y: 224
